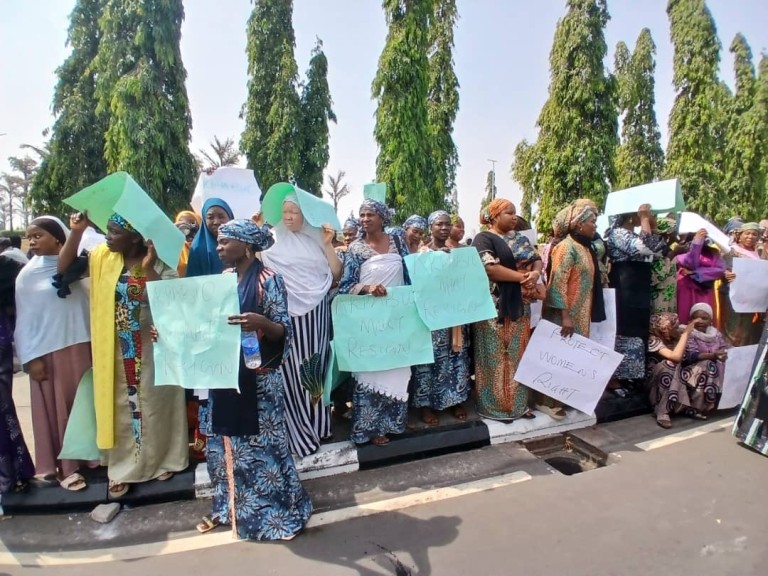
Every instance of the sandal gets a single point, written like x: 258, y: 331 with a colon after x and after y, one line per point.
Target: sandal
x: 459, y: 412
x: 429, y: 417
x: 20, y: 486
x: 530, y: 415
x: 164, y: 476
x: 208, y: 523
x: 74, y: 482
x: 555, y: 413
x: 380, y: 441
x: 45, y: 481
x: 664, y: 421
x: 118, y: 489
x: 691, y: 413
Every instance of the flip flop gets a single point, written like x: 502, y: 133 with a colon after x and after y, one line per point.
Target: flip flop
x: 554, y: 413
x: 118, y: 489
x: 74, y: 482
x: 165, y: 476
x: 208, y: 523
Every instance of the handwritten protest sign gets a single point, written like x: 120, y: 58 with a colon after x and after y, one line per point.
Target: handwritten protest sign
x: 690, y: 223
x: 738, y: 369
x: 196, y: 347
x: 375, y: 191
x: 119, y: 193
x: 380, y: 333
x: 664, y: 196
x: 571, y: 370
x: 604, y: 332
x: 749, y: 291
x: 236, y: 186
x: 450, y: 289
x: 315, y: 211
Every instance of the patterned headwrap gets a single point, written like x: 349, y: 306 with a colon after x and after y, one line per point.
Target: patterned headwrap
x: 570, y: 217
x: 435, y: 215
x: 122, y: 222
x: 379, y: 207
x: 249, y: 232
x: 733, y: 225
x: 351, y: 222
x: 415, y: 221
x: 493, y: 210
x: 662, y: 323
x: 750, y: 226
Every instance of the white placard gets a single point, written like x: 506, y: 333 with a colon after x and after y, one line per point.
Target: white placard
x: 572, y: 370
x: 749, y: 291
x: 236, y: 186
x: 692, y: 223
x: 605, y: 332
x: 537, y: 307
x: 738, y: 370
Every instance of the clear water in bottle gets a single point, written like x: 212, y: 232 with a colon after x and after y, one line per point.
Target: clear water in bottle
x: 251, y: 351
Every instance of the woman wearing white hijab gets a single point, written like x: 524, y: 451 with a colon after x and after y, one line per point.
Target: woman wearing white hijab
x: 53, y: 343
x: 305, y: 257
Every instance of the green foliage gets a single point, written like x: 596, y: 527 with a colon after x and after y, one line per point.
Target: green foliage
x: 761, y: 112
x: 75, y: 153
x: 140, y: 88
x: 402, y: 132
x: 574, y: 154
x: 272, y: 74
x: 443, y: 96
x: 698, y: 121
x: 316, y: 112
x: 745, y: 150
x: 640, y: 157
x: 525, y: 170
x: 223, y: 153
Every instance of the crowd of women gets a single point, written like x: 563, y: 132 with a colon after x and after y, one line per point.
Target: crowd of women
x: 69, y: 311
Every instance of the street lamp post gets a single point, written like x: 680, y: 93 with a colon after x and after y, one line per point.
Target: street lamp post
x: 493, y: 178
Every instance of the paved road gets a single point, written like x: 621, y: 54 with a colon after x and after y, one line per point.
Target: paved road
x: 694, y: 507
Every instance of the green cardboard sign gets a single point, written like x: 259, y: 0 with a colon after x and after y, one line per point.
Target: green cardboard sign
x: 316, y: 211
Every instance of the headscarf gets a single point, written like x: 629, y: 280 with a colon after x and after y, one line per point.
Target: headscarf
x: 701, y: 307
x: 415, y: 221
x: 249, y: 232
x: 749, y: 226
x: 733, y: 225
x: 203, y: 258
x: 351, y: 222
x: 493, y: 210
x: 570, y: 217
x: 53, y: 226
x: 299, y: 257
x: 122, y: 222
x: 662, y: 323
x: 189, y: 214
x: 435, y: 215
x: 379, y: 207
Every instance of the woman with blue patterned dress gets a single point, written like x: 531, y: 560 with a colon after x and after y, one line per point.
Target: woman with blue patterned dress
x: 375, y: 262
x: 445, y: 383
x: 256, y: 484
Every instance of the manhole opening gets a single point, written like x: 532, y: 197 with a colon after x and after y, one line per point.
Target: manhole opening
x: 567, y: 454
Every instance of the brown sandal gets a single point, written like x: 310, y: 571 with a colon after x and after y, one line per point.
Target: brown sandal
x: 380, y: 441
x: 664, y: 421
x: 118, y: 489
x: 429, y: 417
x: 208, y: 523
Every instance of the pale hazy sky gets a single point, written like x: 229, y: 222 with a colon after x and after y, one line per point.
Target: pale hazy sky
x: 501, y: 54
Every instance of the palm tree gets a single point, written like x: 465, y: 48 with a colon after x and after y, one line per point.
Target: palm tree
x: 337, y: 189
x: 223, y: 154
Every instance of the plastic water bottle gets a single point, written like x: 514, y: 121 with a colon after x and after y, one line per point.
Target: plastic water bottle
x: 251, y: 351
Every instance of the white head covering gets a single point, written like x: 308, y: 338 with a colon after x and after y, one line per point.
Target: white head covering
x: 299, y: 257
x: 701, y: 307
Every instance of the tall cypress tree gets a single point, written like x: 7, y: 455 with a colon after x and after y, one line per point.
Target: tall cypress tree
x: 744, y: 148
x: 401, y: 87
x: 316, y: 112
x: 640, y: 157
x: 578, y: 123
x: 76, y: 149
x: 271, y: 66
x: 525, y: 172
x: 443, y: 96
x: 140, y: 86
x: 697, y: 121
x: 761, y: 112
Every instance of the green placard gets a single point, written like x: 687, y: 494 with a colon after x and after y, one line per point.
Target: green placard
x: 665, y: 196
x: 316, y: 211
x: 376, y: 191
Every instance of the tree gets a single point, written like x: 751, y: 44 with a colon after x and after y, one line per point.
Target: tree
x: 75, y: 152
x: 222, y: 154
x: 9, y: 190
x: 402, y: 132
x: 140, y: 87
x: 525, y: 172
x: 745, y: 147
x: 574, y: 153
x: 640, y: 157
x: 337, y: 190
x: 697, y: 121
x: 316, y: 112
x: 443, y: 97
x: 27, y: 168
x: 761, y: 112
x: 272, y: 74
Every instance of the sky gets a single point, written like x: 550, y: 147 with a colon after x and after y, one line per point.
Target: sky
x: 501, y: 55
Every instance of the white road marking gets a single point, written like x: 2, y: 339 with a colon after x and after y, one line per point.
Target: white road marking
x: 676, y: 437
x: 220, y: 538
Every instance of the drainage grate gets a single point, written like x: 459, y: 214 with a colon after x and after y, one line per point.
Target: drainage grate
x: 567, y: 454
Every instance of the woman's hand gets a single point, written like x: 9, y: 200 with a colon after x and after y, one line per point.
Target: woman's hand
x: 248, y: 322
x: 729, y: 276
x: 153, y: 334
x: 566, y: 327
x: 701, y: 235
x: 722, y: 355
x: 692, y: 325
x: 376, y: 290
x: 644, y: 212
x: 531, y: 279
x: 328, y: 234
x: 78, y: 221
x: 37, y: 371
x: 686, y: 272
x: 149, y: 261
